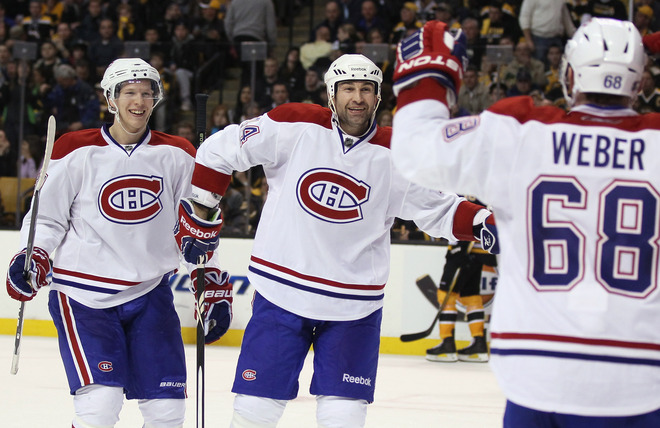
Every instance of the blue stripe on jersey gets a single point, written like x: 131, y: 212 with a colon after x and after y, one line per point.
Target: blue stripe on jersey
x: 85, y: 286
x: 577, y: 356
x: 312, y: 289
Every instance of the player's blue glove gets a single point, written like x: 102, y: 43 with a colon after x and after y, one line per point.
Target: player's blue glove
x: 218, y: 301
x: 196, y: 237
x: 488, y: 235
x: 433, y: 52
x: 22, y: 289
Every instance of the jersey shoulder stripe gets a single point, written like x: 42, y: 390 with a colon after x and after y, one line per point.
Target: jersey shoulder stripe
x: 383, y: 137
x: 523, y: 110
x: 300, y: 112
x: 72, y: 141
x: 160, y: 138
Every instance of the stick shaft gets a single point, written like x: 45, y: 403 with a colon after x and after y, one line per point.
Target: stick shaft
x: 200, y: 128
x: 50, y: 142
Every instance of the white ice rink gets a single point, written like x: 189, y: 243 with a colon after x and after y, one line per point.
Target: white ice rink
x: 410, y: 392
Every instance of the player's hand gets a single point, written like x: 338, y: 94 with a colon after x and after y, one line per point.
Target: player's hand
x: 22, y: 289
x: 196, y: 237
x: 433, y: 52
x: 488, y: 235
x: 218, y: 299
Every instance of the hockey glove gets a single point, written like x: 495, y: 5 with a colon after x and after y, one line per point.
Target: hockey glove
x: 218, y: 301
x: 433, y: 52
x: 486, y: 232
x: 24, y: 289
x: 196, y: 237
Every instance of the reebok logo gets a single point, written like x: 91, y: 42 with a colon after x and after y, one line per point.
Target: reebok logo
x: 359, y: 380
x: 195, y: 231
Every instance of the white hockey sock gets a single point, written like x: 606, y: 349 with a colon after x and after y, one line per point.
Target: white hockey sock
x: 97, y: 406
x: 256, y: 412
x: 163, y: 412
x: 340, y: 412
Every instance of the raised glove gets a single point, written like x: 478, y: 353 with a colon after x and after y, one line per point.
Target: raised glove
x: 22, y: 289
x: 433, y: 52
x: 196, y: 237
x: 218, y: 301
x: 486, y: 232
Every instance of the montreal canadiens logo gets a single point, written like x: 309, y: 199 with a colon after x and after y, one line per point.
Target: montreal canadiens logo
x: 332, y: 195
x: 249, y: 375
x: 105, y: 366
x: 131, y: 199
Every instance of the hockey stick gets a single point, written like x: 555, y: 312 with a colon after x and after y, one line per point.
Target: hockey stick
x: 200, y: 128
x: 50, y: 141
x: 411, y: 337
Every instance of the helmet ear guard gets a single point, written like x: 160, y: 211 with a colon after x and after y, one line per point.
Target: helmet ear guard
x: 124, y: 70
x: 606, y: 57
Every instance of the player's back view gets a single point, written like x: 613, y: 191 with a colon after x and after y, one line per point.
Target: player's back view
x: 575, y: 338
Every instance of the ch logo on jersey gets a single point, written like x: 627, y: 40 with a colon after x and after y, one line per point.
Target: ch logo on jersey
x: 105, y: 366
x: 131, y: 199
x: 332, y: 195
x: 459, y: 127
x: 248, y: 132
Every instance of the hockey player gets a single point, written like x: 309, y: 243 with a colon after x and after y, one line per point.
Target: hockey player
x: 320, y: 257
x: 574, y: 333
x: 108, y: 207
x: 464, y: 264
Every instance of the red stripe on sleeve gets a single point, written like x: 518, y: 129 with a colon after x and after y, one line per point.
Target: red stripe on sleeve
x: 209, y: 179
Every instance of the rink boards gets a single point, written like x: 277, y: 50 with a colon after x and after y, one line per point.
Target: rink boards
x: 405, y: 311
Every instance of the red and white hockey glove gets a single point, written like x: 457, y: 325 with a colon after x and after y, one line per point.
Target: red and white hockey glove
x: 486, y: 233
x: 196, y: 237
x: 433, y: 52
x: 24, y: 289
x: 218, y: 299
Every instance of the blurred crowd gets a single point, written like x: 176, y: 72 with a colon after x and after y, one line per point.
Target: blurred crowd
x: 515, y: 48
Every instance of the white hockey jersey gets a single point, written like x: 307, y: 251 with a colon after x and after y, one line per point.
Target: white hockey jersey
x: 322, y: 248
x: 575, y: 323
x: 110, y: 213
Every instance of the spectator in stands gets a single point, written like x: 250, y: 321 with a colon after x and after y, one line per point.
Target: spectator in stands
x: 369, y: 17
x: 523, y: 84
x: 292, y: 70
x: 128, y: 28
x: 71, y: 13
x: 156, y: 44
x: 604, y: 9
x: 36, y: 25
x: 408, y: 22
x: 347, y: 39
x: 498, y: 24
x: 496, y: 91
x: 545, y: 23
x: 63, y: 40
x: 165, y: 112
x: 29, y: 161
x: 313, y: 91
x: 643, y: 18
x: 53, y: 9
x: 263, y: 88
x: 648, y: 99
x: 219, y: 118
x: 445, y: 12
x: 7, y: 156
x: 48, y: 61
x: 473, y: 96
x: 185, y: 129
x: 333, y: 18
x: 105, y: 48
x: 279, y: 96
x: 474, y: 43
x: 88, y: 30
x: 320, y: 47
x: 243, y: 98
x: 553, y: 90
x: 522, y: 59
x: 12, y: 93
x: 73, y: 102
x: 385, y: 118
x: 251, y: 21
x: 183, y: 59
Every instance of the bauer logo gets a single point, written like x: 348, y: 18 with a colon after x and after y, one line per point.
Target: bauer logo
x: 359, y: 380
x: 249, y: 375
x: 332, y: 195
x: 131, y: 199
x: 105, y: 366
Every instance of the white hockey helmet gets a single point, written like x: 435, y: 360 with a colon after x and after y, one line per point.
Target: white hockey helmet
x: 125, y: 70
x: 351, y: 67
x: 607, y: 57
